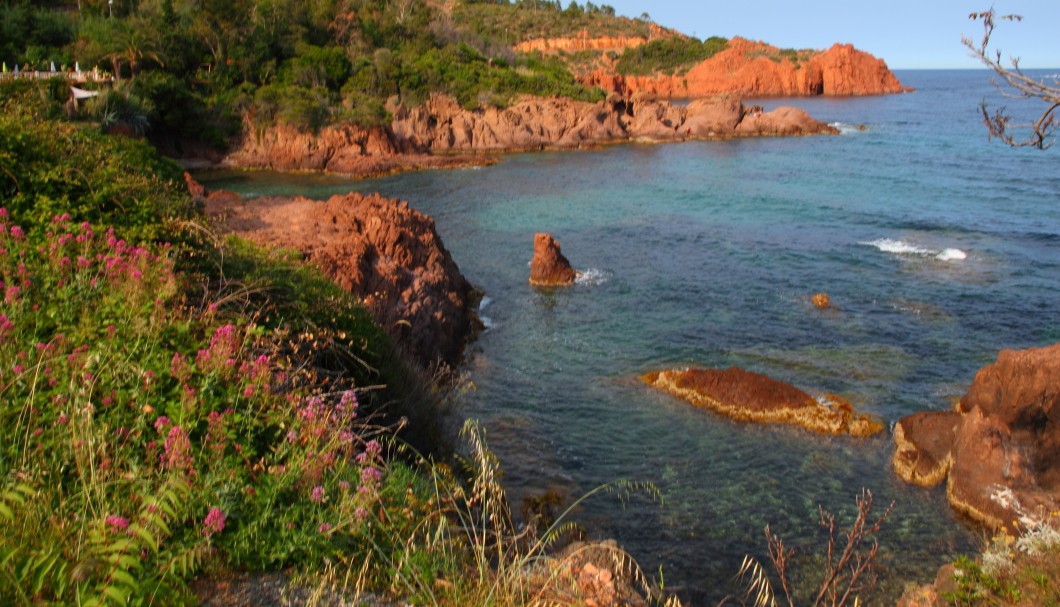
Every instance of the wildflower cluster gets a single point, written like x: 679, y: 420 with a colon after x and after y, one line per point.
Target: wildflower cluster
x: 117, y: 386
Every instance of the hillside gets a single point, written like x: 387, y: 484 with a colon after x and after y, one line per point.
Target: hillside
x: 187, y: 73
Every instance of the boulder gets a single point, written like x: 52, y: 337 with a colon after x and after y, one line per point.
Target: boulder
x: 999, y: 450
x: 821, y: 300
x: 549, y: 268
x: 379, y: 249
x: 748, y: 396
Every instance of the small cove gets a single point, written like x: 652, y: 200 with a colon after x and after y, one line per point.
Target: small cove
x: 706, y: 253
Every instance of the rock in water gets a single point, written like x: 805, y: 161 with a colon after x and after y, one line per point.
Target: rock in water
x: 821, y: 300
x: 747, y: 396
x: 549, y: 267
x: 378, y: 249
x: 1000, y: 449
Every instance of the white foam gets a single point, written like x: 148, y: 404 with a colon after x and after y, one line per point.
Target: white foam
x: 846, y: 129
x: 898, y: 247
x: 951, y: 255
x: 591, y: 277
x: 486, y: 300
x: 901, y: 247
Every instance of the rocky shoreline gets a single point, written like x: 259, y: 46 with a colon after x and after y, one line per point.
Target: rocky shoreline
x: 441, y: 134
x: 377, y: 248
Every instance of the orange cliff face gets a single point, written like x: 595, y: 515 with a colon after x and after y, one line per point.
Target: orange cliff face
x: 581, y: 43
x: 757, y: 69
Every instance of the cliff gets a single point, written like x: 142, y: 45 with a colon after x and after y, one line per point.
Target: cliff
x: 580, y: 43
x: 440, y: 133
x: 756, y: 69
x: 377, y: 248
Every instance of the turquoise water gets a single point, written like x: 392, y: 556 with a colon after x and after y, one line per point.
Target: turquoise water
x: 937, y: 248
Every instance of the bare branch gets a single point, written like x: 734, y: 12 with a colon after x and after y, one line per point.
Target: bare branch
x: 1020, y: 85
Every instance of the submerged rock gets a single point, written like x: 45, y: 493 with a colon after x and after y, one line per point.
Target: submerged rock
x: 549, y: 267
x: 999, y: 450
x: 748, y: 396
x: 821, y: 300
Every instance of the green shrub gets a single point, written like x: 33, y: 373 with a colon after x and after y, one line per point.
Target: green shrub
x: 668, y: 55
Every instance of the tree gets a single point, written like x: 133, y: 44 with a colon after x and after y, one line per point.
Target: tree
x: 1016, y: 85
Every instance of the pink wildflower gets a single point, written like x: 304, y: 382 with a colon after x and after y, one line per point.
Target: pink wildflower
x: 17, y: 233
x: 117, y: 522
x: 214, y: 523
x: 317, y: 495
x: 324, y: 527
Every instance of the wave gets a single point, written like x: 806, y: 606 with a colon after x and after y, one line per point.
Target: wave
x: 901, y: 247
x: 591, y: 277
x: 847, y: 129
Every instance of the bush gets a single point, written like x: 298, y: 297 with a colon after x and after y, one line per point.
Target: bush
x: 668, y: 55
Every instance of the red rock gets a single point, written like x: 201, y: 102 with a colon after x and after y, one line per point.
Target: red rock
x: 549, y: 268
x: 821, y: 300
x: 759, y: 70
x: 1002, y: 442
x: 747, y: 396
x: 440, y: 133
x: 378, y: 249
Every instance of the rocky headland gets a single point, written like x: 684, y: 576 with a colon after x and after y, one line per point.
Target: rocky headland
x: 440, y: 133
x: 757, y: 69
x: 753, y: 397
x: 377, y: 248
x: 999, y: 449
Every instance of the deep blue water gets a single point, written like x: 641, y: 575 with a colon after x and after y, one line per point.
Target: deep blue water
x: 706, y: 253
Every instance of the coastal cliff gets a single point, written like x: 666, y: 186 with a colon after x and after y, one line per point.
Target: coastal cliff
x: 380, y: 250
x: 440, y: 133
x: 757, y: 69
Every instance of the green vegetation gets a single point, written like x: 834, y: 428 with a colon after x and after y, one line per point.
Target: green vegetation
x: 529, y: 19
x: 785, y: 54
x: 175, y: 405
x: 186, y: 71
x: 669, y: 55
x: 1011, y: 571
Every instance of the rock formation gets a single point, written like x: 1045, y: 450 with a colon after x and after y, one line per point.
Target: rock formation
x: 747, y: 396
x: 580, y: 43
x: 999, y: 449
x: 549, y: 268
x: 380, y: 250
x: 821, y: 300
x: 440, y: 133
x: 756, y: 69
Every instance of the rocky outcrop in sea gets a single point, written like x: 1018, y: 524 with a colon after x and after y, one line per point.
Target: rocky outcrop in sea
x: 999, y: 449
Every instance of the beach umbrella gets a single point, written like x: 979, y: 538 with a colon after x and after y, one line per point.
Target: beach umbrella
x: 5, y: 67
x: 52, y: 65
x: 16, y: 68
x: 77, y: 66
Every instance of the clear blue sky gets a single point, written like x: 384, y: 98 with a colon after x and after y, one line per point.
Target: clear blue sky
x: 905, y: 33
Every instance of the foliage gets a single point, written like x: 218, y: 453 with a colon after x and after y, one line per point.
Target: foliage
x: 49, y: 168
x: 1014, y: 571
x: 172, y: 409
x: 529, y: 19
x: 196, y: 66
x: 668, y: 55
x: 1018, y: 85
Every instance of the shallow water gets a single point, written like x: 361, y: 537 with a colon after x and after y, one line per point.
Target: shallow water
x: 936, y: 247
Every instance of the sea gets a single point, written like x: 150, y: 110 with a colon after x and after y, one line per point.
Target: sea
x: 937, y: 247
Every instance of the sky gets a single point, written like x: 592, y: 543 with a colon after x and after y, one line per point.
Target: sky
x: 907, y: 34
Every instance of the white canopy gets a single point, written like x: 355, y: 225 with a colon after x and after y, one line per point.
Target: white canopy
x: 82, y: 94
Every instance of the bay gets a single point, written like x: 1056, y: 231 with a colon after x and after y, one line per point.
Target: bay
x: 936, y: 246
